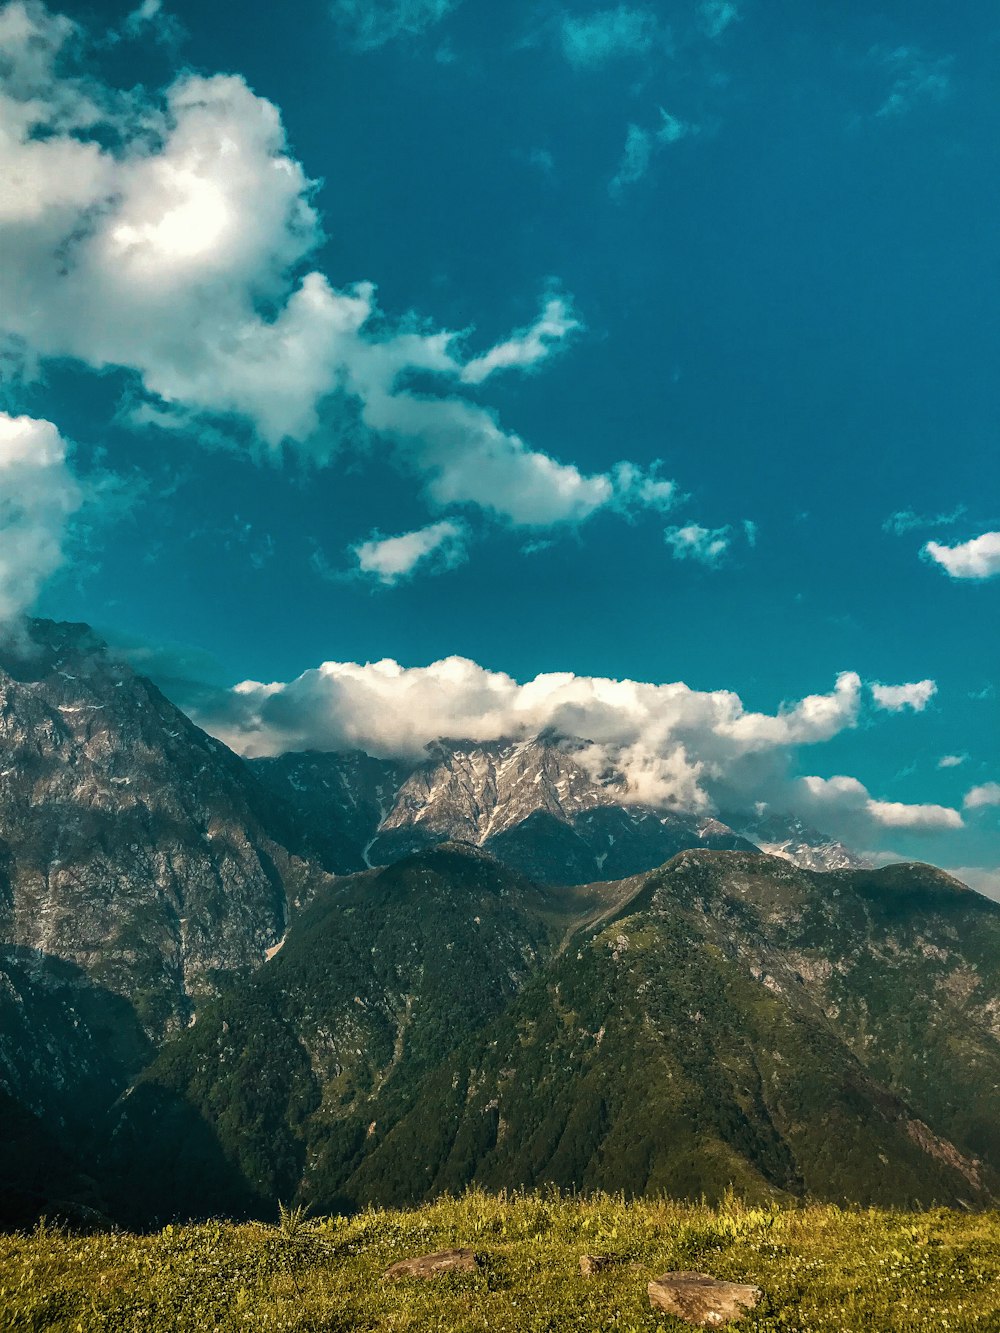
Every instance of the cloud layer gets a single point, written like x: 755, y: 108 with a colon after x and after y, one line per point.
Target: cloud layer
x: 689, y: 749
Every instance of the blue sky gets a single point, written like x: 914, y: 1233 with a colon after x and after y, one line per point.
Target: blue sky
x: 720, y: 408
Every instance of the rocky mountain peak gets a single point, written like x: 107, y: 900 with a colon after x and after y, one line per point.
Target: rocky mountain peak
x: 546, y: 804
x: 476, y: 792
x: 133, y: 845
x: 786, y: 836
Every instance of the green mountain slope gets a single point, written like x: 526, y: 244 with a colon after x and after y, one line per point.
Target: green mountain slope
x: 725, y: 1019
x: 294, y: 1072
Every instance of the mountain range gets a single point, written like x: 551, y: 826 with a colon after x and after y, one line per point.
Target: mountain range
x: 534, y: 804
x: 337, y: 978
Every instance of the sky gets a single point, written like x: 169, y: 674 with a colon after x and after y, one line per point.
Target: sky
x: 380, y: 369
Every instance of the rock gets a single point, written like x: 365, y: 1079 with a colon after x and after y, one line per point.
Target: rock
x: 433, y: 1265
x: 596, y: 1263
x: 700, y: 1299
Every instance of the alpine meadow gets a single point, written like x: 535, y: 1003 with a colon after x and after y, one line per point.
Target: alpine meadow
x: 499, y: 649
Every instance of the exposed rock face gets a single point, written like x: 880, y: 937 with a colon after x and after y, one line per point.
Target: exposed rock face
x: 702, y: 1300
x: 132, y: 845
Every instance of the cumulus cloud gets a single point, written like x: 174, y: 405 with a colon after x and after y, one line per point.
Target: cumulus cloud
x: 675, y: 743
x: 591, y: 40
x: 916, y: 78
x: 978, y: 797
x: 370, y: 24
x: 844, y: 802
x: 975, y: 559
x: 894, y: 698
x: 677, y: 747
x: 693, y: 542
x: 169, y: 236
x: 641, y: 145
x: 699, y: 751
x: 390, y: 560
x: 38, y: 493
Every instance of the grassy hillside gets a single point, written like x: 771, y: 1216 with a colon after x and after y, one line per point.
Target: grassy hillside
x: 724, y: 1020
x: 821, y: 1269
x: 289, y: 1075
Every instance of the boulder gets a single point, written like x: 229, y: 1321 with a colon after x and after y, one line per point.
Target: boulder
x: 596, y: 1263
x: 433, y: 1265
x: 701, y: 1299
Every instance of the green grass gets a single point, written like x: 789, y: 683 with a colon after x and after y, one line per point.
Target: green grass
x: 821, y: 1267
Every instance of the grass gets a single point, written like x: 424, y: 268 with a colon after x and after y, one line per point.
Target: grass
x: 822, y: 1269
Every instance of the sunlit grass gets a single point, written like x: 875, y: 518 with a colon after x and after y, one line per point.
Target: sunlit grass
x: 822, y: 1268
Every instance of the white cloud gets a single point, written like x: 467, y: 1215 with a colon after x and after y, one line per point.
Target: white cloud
x: 894, y: 698
x: 392, y: 559
x: 894, y: 814
x: 717, y: 15
x: 978, y: 797
x: 693, y: 542
x: 527, y: 347
x: 38, y: 493
x: 845, y: 803
x: 689, y: 749
x: 677, y: 743
x: 975, y: 559
x: 916, y: 78
x: 640, y: 147
x: 591, y: 40
x: 370, y: 24
x: 952, y: 760
x: 643, y: 488
x: 167, y: 236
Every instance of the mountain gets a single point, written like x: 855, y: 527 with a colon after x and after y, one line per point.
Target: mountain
x: 534, y: 804
x: 726, y: 1018
x: 515, y: 976
x: 295, y: 1070
x: 141, y: 865
x: 795, y: 841
x: 738, y: 1021
x: 132, y: 844
x: 336, y: 802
